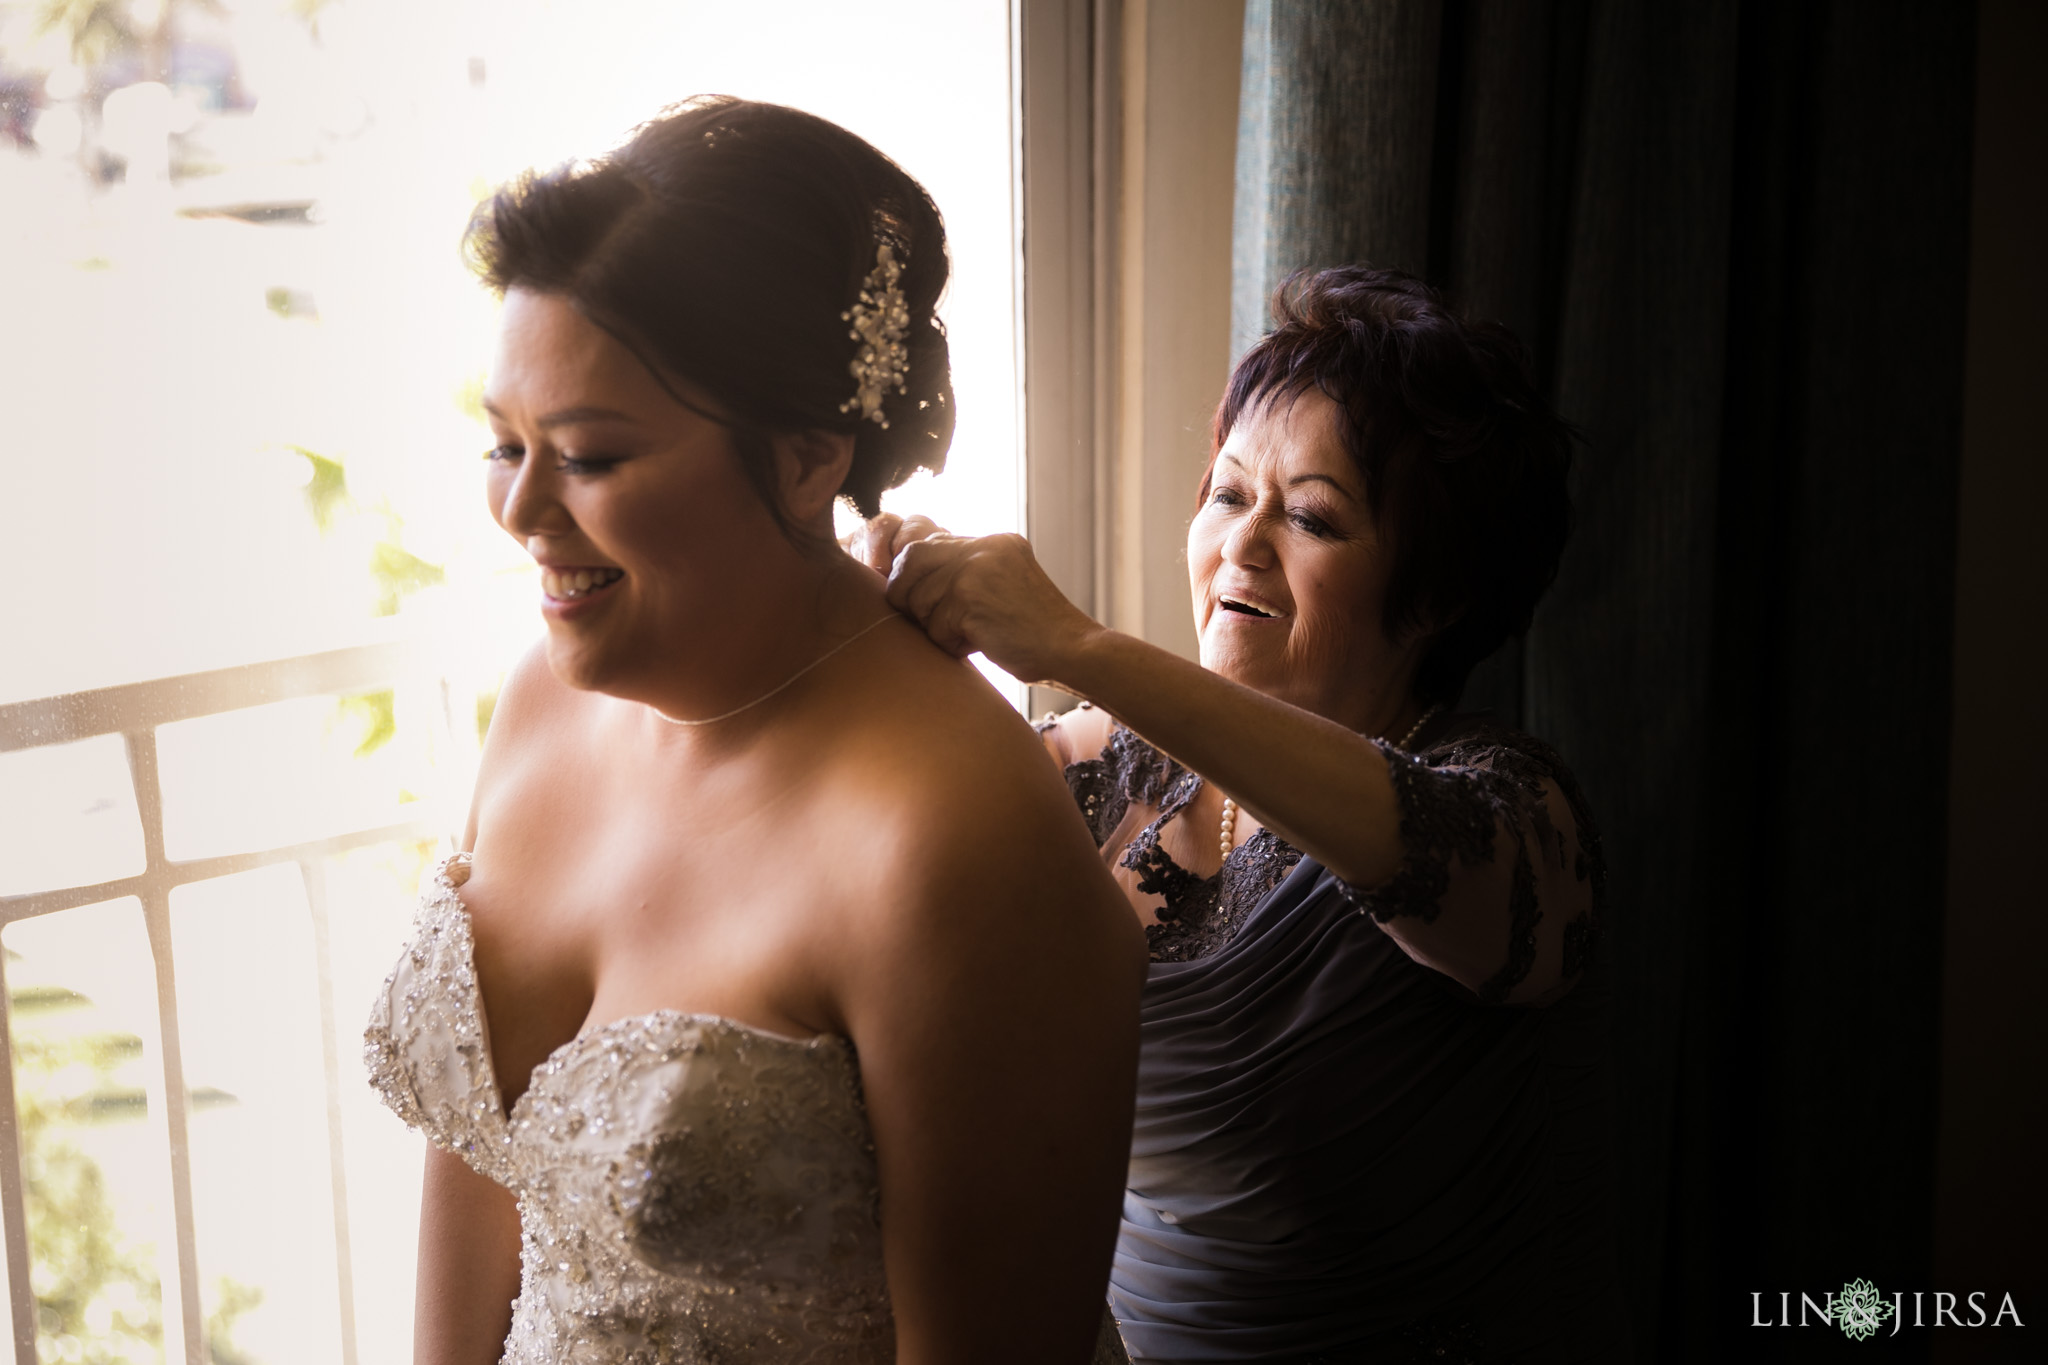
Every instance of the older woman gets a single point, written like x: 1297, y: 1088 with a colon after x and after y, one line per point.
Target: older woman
x: 1370, y: 1117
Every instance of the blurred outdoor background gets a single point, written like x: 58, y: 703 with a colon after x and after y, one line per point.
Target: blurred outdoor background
x: 240, y: 364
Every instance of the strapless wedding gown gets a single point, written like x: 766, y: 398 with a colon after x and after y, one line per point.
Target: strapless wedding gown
x: 690, y: 1189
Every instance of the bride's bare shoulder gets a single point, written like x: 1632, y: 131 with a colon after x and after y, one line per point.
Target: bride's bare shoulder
x: 532, y: 712
x: 953, y: 767
x: 967, y: 843
x: 531, y: 703
x: 940, y: 717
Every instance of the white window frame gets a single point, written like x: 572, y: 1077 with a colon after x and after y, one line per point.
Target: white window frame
x: 1127, y: 112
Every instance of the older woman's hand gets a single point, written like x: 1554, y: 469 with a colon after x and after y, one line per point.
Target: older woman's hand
x: 988, y: 595
x: 881, y: 538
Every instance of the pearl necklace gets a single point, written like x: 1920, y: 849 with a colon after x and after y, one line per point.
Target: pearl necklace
x: 785, y: 683
x: 1226, y: 834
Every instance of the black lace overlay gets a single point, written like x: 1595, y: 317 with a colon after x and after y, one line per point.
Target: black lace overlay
x: 1127, y: 770
x: 1522, y: 916
x: 1456, y: 795
x: 1202, y: 913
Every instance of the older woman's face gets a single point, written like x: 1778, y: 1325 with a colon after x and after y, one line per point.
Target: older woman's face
x: 641, y: 520
x: 1287, y: 569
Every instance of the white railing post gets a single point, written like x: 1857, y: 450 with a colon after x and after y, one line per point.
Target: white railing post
x: 314, y: 874
x: 170, y: 1104
x: 134, y: 711
x: 14, y: 1200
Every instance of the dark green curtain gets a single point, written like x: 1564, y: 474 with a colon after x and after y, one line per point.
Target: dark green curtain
x: 1735, y: 237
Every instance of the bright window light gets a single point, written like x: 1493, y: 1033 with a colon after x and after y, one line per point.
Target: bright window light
x: 241, y: 368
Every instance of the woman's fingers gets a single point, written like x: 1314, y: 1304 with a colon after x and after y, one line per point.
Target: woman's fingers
x: 909, y: 530
x: 923, y: 588
x: 923, y: 573
x: 882, y: 537
x: 874, y: 544
x: 986, y: 594
x: 929, y: 584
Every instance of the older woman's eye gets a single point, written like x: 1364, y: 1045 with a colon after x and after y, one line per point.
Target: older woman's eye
x: 1227, y: 497
x: 1312, y: 524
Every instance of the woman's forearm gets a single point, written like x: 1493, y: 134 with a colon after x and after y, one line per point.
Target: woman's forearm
x: 1326, y: 790
x: 1318, y: 785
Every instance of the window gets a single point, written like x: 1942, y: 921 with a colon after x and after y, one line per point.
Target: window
x: 262, y: 612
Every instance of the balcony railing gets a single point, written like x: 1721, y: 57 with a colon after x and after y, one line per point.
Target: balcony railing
x: 134, y: 712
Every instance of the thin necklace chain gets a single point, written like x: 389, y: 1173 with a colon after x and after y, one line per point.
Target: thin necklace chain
x: 786, y: 683
x: 1226, y: 832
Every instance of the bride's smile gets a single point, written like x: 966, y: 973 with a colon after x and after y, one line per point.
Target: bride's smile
x: 662, y: 569
x: 563, y: 584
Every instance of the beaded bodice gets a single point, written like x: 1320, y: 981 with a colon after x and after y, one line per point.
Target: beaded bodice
x: 690, y: 1189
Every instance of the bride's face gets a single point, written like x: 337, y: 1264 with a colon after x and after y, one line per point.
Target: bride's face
x: 641, y: 519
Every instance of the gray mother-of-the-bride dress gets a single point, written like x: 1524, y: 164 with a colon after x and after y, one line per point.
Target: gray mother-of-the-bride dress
x: 1342, y: 1155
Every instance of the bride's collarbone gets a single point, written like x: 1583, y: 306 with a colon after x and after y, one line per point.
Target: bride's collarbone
x: 572, y: 947
x: 608, y: 889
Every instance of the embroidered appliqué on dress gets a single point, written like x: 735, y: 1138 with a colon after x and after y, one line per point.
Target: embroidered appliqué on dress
x: 1128, y: 770
x: 1201, y: 914
x: 1455, y: 795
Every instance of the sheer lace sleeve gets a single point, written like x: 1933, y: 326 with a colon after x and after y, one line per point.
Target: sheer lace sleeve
x: 1501, y: 885
x: 1108, y: 768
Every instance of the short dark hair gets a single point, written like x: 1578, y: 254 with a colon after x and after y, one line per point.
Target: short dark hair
x: 1464, y: 462
x: 723, y: 244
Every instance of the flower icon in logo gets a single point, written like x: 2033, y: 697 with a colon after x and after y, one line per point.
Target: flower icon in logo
x: 1860, y: 1310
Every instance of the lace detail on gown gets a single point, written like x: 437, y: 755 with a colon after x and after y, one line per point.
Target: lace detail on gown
x: 1128, y: 770
x: 1458, y: 796
x: 1201, y: 914
x: 1198, y: 914
x: 690, y: 1189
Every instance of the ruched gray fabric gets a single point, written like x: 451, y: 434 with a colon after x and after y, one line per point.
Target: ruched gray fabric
x: 1340, y: 1155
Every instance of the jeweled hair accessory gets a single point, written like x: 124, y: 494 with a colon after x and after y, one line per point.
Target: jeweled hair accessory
x: 881, y: 319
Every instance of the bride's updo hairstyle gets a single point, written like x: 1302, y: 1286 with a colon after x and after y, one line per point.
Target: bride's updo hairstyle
x: 724, y: 245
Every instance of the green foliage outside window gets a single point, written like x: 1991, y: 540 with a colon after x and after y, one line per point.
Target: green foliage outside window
x: 99, y: 1299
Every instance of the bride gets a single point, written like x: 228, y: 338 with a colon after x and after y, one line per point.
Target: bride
x: 751, y: 1024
